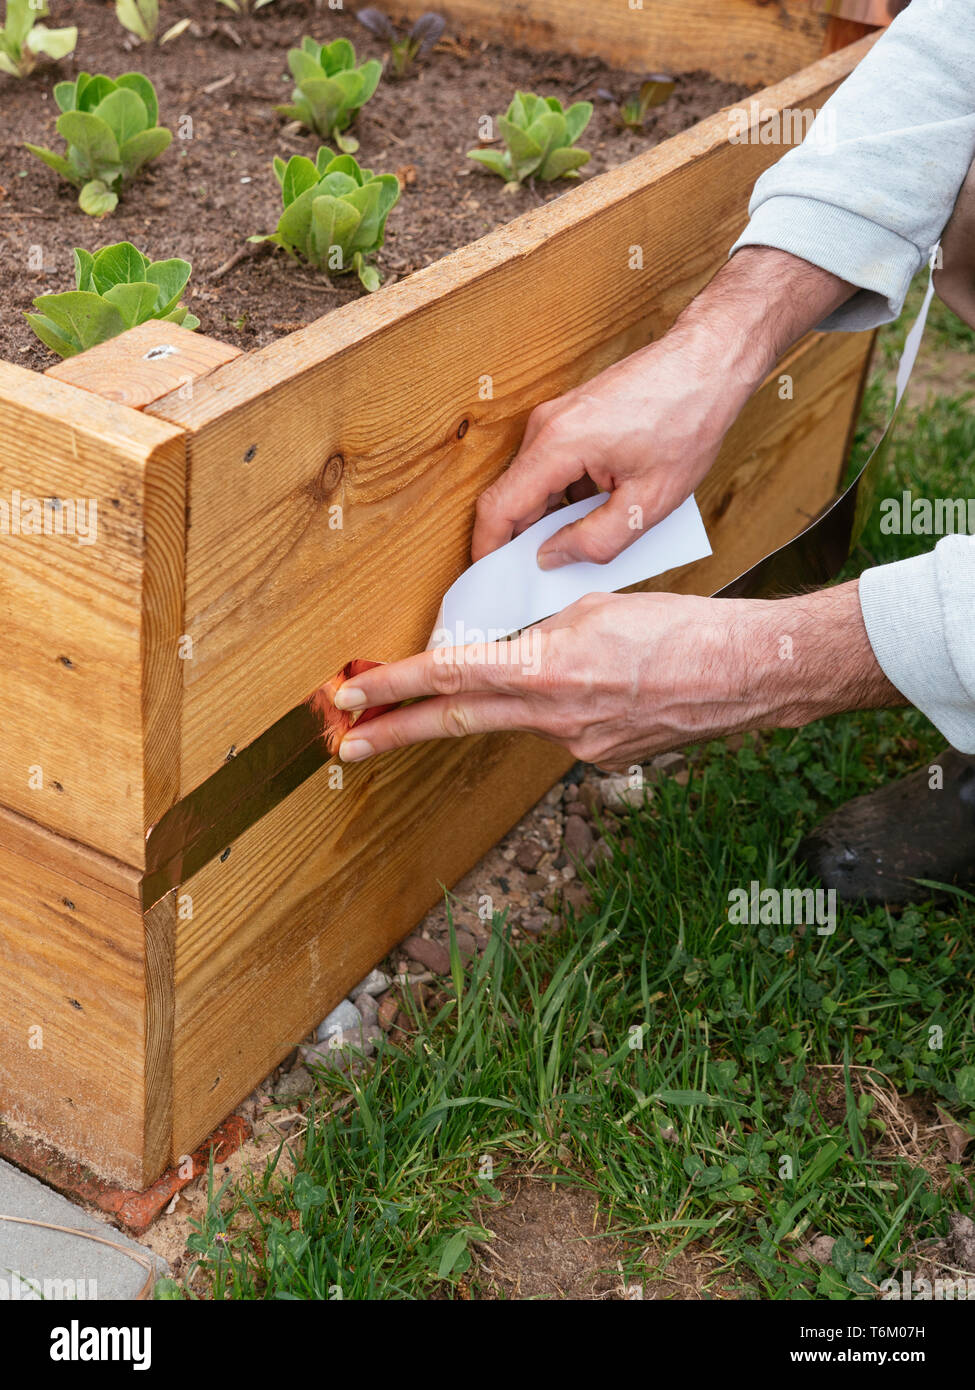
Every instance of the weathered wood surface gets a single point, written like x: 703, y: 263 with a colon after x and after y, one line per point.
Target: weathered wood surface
x: 378, y: 411
x: 145, y: 364
x: 314, y: 894
x: 738, y: 40
x: 75, y: 1022
x: 90, y: 679
x: 324, y: 885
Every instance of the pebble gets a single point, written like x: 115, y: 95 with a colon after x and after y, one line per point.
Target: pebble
x: 388, y: 1008
x: 433, y: 954
x: 554, y: 796
x: 577, y: 837
x: 294, y: 1084
x: 528, y: 855
x: 617, y: 793
x: 341, y: 1025
x: 376, y: 982
x: 535, y: 882
x: 577, y: 808
x: 600, y: 850
x: 368, y: 1006
x: 466, y: 944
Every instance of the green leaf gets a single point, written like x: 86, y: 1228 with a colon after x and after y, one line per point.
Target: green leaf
x: 56, y: 162
x: 20, y: 16
x: 86, y: 318
x: 315, y: 49
x: 97, y: 199
x: 92, y: 138
x: 51, y: 336
x: 451, y: 1254
x: 137, y: 82
x: 83, y: 263
x: 304, y: 66
x: 348, y: 144
x: 370, y: 73
x: 299, y: 175
x: 523, y: 148
x: 93, y: 90
x: 64, y: 95
x: 140, y: 17
x: 135, y: 302
x: 294, y: 228
x: 334, y: 223
x: 141, y: 148
x: 577, y: 117
x: 53, y: 43
x: 338, y: 56
x: 492, y: 159
x: 366, y: 201
x: 563, y: 162
x: 368, y: 274
x: 124, y: 112
x: 965, y: 1081
x: 279, y: 168
x: 121, y: 264
x: 170, y: 279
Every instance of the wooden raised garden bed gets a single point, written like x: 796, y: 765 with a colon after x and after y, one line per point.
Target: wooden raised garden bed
x: 163, y: 1001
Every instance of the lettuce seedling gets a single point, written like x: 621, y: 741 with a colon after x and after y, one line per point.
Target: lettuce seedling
x: 111, y: 132
x: 538, y: 136
x: 23, y: 41
x: 330, y: 88
x: 334, y: 212
x: 117, y: 288
x: 141, y: 17
x: 404, y: 49
x: 653, y: 92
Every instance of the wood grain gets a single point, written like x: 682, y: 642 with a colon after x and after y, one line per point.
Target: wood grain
x: 739, y: 40
x: 72, y: 966
x: 144, y: 364
x: 89, y: 662
x: 378, y: 410
x: 313, y: 895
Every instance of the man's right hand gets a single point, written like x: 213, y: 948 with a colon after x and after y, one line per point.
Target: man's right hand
x: 647, y: 429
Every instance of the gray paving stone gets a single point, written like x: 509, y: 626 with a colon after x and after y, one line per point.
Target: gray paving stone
x: 36, y: 1262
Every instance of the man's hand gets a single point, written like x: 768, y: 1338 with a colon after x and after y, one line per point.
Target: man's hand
x: 616, y: 678
x: 648, y: 429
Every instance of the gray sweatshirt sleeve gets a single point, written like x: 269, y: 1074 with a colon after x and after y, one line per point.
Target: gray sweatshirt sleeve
x: 920, y: 618
x: 868, y: 192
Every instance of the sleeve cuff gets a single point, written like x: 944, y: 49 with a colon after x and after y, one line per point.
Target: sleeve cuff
x: 902, y: 611
x: 859, y: 251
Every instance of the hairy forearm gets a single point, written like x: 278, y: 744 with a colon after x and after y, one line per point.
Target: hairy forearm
x: 757, y: 306
x: 806, y: 657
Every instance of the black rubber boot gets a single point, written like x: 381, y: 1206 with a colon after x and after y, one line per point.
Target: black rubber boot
x: 874, y: 848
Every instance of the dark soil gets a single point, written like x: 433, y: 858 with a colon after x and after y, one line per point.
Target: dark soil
x: 208, y: 193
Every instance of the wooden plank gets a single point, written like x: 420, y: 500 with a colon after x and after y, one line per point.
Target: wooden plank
x: 91, y: 606
x: 315, y: 893
x: 144, y: 364
x: 73, y: 1019
x: 738, y: 40
x: 380, y: 410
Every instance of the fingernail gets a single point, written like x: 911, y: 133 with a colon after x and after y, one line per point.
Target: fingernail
x: 349, y: 697
x: 552, y: 559
x: 353, y: 750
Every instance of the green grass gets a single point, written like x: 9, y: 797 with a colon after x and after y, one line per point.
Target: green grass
x: 673, y: 1063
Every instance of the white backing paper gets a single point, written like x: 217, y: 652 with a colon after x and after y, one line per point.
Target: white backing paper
x: 506, y: 591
